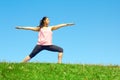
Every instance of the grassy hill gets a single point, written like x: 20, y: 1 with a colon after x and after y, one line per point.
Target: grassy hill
x: 52, y: 71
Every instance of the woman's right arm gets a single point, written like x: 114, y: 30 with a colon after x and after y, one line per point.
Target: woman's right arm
x: 28, y: 28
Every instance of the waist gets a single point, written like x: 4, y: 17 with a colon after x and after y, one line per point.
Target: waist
x: 44, y: 42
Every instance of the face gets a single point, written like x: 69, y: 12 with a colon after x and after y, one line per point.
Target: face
x: 47, y: 21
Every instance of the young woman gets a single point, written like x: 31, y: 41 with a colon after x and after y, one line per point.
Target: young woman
x: 45, y: 38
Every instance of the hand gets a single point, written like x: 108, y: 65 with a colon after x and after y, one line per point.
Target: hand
x: 70, y: 24
x: 18, y: 27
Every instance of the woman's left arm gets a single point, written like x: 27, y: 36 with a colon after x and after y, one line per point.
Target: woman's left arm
x: 61, y: 25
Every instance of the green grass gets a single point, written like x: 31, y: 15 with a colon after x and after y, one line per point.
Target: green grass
x: 52, y: 71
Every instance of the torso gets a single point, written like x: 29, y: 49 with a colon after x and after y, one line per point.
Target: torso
x: 45, y: 36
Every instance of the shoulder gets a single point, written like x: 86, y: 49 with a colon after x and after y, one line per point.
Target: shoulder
x: 50, y: 28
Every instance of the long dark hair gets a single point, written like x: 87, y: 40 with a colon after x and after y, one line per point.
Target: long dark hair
x: 42, y: 23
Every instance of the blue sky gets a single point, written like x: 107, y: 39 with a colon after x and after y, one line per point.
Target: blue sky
x: 93, y: 40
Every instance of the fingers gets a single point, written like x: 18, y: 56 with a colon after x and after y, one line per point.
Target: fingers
x: 18, y: 27
x: 70, y: 24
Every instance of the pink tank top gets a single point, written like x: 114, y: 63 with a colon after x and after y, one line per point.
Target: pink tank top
x: 45, y: 36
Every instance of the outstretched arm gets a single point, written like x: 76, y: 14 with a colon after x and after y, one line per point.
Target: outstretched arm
x: 61, y: 25
x: 28, y: 28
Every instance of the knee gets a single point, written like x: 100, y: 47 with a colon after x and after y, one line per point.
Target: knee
x: 61, y: 50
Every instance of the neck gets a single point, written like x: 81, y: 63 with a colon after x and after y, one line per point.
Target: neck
x: 45, y: 25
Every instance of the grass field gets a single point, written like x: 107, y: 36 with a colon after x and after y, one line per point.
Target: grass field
x: 52, y: 71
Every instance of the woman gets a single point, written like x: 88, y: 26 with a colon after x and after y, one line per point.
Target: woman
x: 45, y: 38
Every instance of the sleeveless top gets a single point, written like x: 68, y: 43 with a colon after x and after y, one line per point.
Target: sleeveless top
x: 45, y: 36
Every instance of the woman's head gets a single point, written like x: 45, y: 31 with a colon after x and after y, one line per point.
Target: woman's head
x: 44, y: 22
